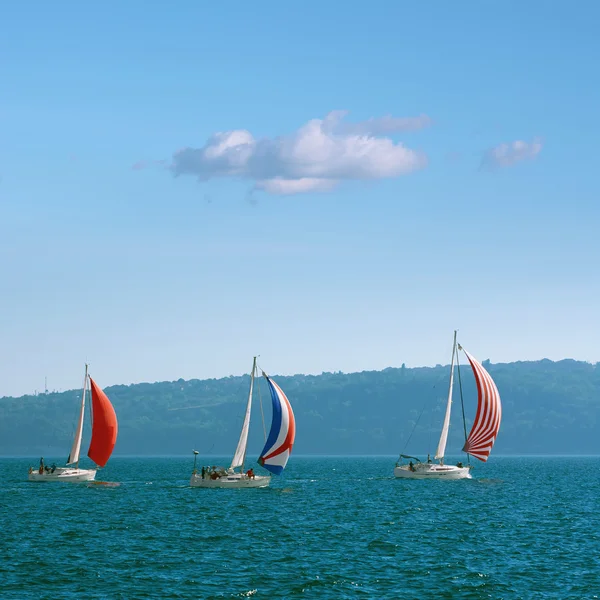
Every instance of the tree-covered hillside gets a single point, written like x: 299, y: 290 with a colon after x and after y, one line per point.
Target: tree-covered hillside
x: 548, y: 407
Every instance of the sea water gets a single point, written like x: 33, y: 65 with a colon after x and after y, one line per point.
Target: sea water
x: 328, y: 528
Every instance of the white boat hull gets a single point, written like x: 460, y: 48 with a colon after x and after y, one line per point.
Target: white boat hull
x: 432, y: 471
x: 64, y: 474
x: 231, y: 481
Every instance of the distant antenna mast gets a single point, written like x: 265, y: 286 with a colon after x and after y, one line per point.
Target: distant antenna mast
x: 45, y: 385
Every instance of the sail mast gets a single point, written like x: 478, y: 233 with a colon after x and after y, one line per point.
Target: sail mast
x: 462, y: 401
x: 247, y: 424
x: 74, y: 454
x: 240, y: 453
x: 441, y: 449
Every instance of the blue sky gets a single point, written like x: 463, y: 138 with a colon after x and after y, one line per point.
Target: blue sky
x: 405, y: 229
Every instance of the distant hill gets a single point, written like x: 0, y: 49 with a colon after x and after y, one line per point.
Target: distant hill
x: 548, y: 408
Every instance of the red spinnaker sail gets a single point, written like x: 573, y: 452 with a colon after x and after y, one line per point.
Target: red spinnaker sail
x: 489, y: 413
x: 104, y: 426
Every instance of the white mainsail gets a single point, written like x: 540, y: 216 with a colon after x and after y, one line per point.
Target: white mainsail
x: 74, y: 454
x: 441, y: 449
x: 240, y: 453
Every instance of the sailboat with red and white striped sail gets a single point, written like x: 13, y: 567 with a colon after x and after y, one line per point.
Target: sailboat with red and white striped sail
x: 104, y: 437
x: 483, y: 433
x: 275, y: 454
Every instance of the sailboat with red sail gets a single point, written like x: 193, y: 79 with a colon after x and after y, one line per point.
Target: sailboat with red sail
x: 104, y: 437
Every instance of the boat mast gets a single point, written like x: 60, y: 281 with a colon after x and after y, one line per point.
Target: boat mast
x: 441, y: 449
x: 462, y: 402
x: 249, y: 407
x: 240, y: 452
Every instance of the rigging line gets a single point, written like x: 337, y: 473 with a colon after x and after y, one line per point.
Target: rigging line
x: 414, y: 427
x: 430, y: 430
x: 262, y: 412
x: 76, y: 411
x: 462, y: 403
x: 88, y: 400
x: 413, y: 430
x: 425, y: 403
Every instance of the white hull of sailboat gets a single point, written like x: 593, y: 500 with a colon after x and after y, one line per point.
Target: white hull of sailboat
x: 274, y: 455
x: 104, y: 436
x: 233, y: 481
x: 480, y: 440
x: 432, y: 471
x: 64, y: 474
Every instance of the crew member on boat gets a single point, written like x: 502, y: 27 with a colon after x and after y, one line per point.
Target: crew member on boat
x: 250, y: 473
x: 213, y: 473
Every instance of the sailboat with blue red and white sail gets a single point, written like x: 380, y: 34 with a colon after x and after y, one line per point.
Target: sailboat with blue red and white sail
x: 483, y: 433
x: 276, y: 451
x: 104, y: 437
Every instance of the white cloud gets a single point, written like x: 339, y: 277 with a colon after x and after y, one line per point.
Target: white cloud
x: 508, y: 154
x: 278, y: 185
x: 315, y: 158
x: 374, y: 126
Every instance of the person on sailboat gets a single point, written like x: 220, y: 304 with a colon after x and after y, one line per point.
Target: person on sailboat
x: 250, y: 473
x: 411, y: 466
x: 203, y: 472
x: 428, y: 459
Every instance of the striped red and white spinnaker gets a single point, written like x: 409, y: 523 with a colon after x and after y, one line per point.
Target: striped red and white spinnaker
x: 489, y: 413
x: 483, y: 432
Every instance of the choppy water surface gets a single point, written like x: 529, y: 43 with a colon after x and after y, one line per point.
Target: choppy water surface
x: 329, y: 528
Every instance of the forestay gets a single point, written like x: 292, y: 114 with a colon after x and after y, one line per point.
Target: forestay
x: 76, y: 448
x: 441, y: 449
x: 240, y: 452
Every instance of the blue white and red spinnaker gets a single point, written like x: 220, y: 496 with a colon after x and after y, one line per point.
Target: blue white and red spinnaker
x: 278, y: 446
